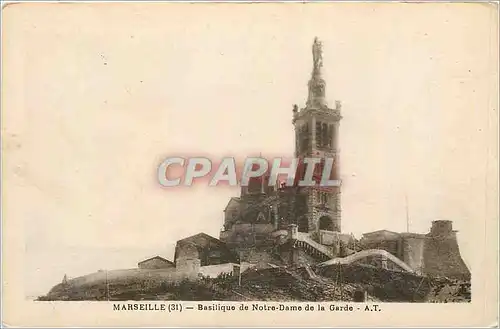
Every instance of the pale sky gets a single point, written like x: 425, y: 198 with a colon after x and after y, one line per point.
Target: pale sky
x: 105, y: 92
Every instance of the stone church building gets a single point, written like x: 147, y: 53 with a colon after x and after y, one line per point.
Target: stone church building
x: 261, y: 218
x: 301, y: 225
x: 261, y: 209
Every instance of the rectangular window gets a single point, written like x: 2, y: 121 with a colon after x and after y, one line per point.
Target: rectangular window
x: 324, y: 135
x: 319, y: 134
x: 324, y: 198
x: 304, y: 138
x: 331, y: 132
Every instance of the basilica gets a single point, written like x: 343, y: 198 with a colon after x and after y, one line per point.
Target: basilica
x: 260, y: 213
x: 292, y: 225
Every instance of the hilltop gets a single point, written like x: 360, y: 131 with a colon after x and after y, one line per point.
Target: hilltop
x: 273, y: 284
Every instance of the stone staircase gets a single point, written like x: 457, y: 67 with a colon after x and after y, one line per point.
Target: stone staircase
x: 312, y: 248
x: 369, y: 253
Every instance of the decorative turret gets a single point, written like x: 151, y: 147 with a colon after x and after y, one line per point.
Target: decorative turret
x: 441, y: 228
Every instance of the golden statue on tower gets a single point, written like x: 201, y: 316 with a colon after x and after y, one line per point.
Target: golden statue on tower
x: 317, y: 50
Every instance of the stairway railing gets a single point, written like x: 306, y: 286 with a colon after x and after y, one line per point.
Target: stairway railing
x: 313, y: 248
x: 304, y: 237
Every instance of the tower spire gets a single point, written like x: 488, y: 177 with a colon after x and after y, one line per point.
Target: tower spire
x: 316, y: 135
x: 317, y: 51
x: 316, y: 97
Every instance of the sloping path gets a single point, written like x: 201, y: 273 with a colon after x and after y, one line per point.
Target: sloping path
x: 366, y: 253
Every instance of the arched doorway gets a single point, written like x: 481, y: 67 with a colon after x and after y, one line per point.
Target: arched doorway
x: 326, y: 223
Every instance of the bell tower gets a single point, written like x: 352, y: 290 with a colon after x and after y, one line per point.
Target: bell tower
x: 316, y: 136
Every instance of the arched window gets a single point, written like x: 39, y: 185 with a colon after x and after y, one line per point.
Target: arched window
x: 325, y: 223
x: 324, y: 134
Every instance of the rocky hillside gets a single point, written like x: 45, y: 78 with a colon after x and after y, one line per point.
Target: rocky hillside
x: 273, y: 284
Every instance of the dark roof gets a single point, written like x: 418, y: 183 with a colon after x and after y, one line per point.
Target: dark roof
x: 156, y: 257
x: 202, y: 241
